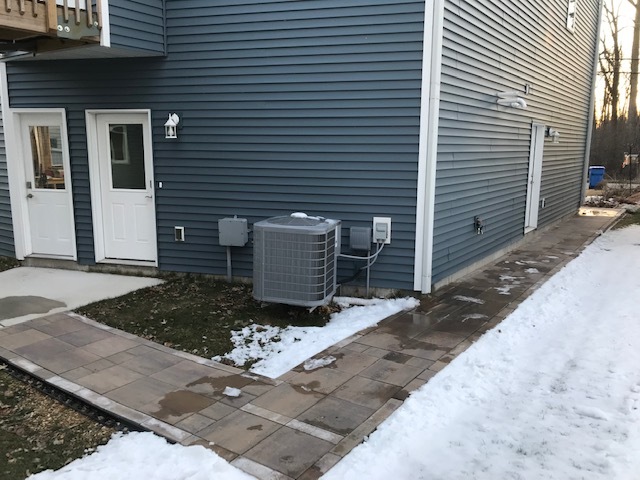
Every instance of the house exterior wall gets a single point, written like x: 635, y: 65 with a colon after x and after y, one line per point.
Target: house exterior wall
x: 6, y: 228
x: 138, y: 25
x: 483, y: 150
x: 285, y: 106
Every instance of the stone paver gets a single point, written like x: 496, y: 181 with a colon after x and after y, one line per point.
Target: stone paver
x: 22, y: 338
x: 186, y: 372
x: 350, y: 361
x: 323, y: 380
x: 288, y: 400
x: 109, y: 379
x: 391, y: 372
x: 82, y: 337
x: 289, y: 451
x: 239, y: 431
x: 366, y: 392
x: 60, y: 324
x: 140, y: 392
x: 302, y: 424
x: 336, y: 415
x: 110, y: 346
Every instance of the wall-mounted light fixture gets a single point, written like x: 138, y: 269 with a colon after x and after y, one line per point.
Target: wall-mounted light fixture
x: 553, y: 134
x: 512, y: 99
x: 171, y: 126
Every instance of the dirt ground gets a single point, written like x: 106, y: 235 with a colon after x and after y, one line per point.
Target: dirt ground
x: 39, y: 433
x: 196, y: 314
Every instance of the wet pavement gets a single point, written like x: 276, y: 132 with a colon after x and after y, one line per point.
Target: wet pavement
x: 303, y: 423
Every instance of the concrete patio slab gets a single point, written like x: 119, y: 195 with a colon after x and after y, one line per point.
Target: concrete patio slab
x: 58, y: 291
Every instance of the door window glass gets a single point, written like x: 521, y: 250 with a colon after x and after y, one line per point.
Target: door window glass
x: 126, y: 147
x: 46, y: 152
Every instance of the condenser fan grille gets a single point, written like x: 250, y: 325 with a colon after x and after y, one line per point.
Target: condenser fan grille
x: 295, y: 265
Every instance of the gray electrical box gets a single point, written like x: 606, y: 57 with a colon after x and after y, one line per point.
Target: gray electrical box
x: 360, y: 238
x: 233, y: 232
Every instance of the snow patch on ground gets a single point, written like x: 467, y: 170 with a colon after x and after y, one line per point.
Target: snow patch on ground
x: 145, y: 455
x: 474, y: 316
x: 462, y: 298
x: 232, y: 392
x: 554, y: 393
x: 278, y: 350
x: 631, y: 208
x: 315, y: 363
x: 532, y: 270
x: 505, y: 290
x: 509, y: 278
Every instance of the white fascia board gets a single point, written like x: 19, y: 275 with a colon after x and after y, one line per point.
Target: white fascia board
x: 15, y: 172
x: 105, y: 33
x: 428, y: 143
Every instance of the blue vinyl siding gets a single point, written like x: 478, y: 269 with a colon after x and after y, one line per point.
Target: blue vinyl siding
x: 138, y: 25
x: 285, y: 106
x: 314, y: 106
x: 483, y: 150
x: 6, y: 228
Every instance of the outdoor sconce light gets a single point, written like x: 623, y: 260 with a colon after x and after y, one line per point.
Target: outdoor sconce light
x: 512, y: 99
x: 171, y: 126
x: 553, y: 133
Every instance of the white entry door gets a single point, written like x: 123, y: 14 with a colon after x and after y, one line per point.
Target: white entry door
x: 48, y: 185
x: 535, y: 178
x: 125, y: 167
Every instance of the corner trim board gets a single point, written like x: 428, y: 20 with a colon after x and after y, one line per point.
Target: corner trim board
x: 428, y: 143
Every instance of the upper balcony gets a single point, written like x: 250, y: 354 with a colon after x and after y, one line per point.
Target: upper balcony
x: 77, y: 29
x: 45, y: 25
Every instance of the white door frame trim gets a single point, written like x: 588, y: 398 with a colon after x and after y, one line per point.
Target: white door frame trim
x: 537, y: 146
x: 16, y: 172
x: 94, y: 181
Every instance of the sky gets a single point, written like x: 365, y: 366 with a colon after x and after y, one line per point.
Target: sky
x: 551, y: 393
x: 626, y: 16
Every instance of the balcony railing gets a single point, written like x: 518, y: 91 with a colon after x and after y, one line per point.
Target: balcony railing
x: 30, y: 24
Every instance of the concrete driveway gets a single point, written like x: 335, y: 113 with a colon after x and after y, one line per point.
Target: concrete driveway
x: 28, y: 292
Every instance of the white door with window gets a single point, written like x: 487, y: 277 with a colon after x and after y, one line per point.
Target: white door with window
x: 44, y: 151
x: 535, y: 178
x: 124, y: 180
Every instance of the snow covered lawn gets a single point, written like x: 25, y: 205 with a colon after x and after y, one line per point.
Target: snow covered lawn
x: 145, y: 456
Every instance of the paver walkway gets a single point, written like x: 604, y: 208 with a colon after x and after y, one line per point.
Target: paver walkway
x: 303, y: 423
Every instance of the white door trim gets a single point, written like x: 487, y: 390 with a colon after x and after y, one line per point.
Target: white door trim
x: 17, y: 175
x: 96, y: 184
x: 534, y: 178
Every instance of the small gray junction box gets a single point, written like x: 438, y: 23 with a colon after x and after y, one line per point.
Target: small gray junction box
x: 233, y: 232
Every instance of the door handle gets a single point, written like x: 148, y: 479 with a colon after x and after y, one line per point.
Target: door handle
x: 29, y: 195
x: 148, y: 196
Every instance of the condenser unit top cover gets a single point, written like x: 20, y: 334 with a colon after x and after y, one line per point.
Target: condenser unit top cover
x: 295, y: 259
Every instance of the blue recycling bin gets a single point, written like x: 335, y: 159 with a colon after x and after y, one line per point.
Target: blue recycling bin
x: 596, y: 174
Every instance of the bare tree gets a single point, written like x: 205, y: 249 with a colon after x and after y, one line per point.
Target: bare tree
x: 633, y: 74
x: 610, y: 62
